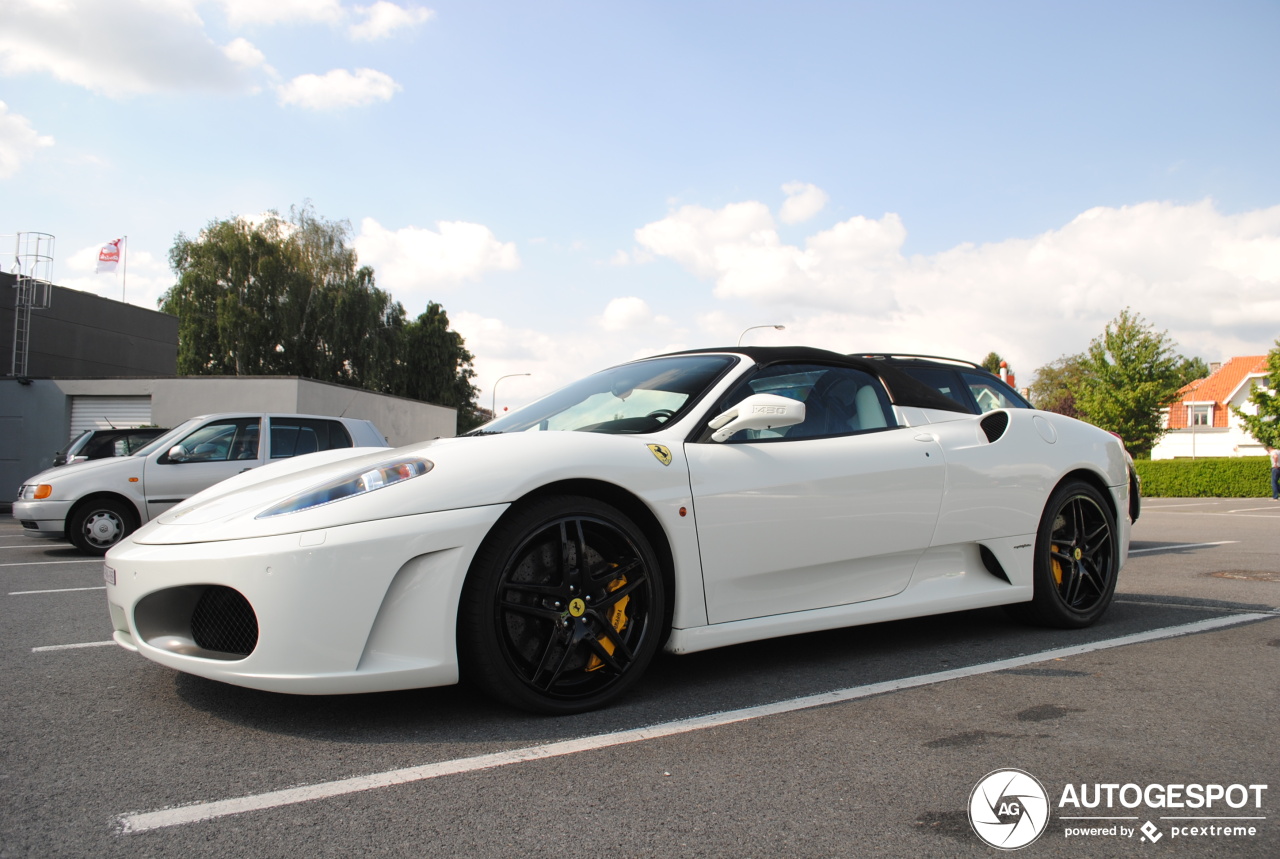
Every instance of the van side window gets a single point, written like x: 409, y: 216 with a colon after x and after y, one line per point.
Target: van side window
x: 292, y: 436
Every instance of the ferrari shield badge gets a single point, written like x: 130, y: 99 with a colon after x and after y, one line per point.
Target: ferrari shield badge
x: 662, y: 453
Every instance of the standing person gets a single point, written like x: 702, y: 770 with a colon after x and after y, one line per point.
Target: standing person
x: 1275, y: 473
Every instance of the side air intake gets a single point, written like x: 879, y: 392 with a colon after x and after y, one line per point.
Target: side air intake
x: 995, y: 424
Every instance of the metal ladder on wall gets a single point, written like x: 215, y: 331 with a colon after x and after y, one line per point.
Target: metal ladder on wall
x: 33, y: 268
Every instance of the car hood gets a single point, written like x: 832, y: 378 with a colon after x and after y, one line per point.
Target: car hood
x: 466, y: 472
x: 72, y: 470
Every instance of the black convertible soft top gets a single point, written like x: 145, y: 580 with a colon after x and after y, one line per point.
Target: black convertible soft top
x: 903, y: 389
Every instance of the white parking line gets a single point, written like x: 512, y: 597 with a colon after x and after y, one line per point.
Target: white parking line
x: 134, y: 822
x: 49, y: 647
x: 56, y: 591
x: 1175, y: 546
x: 47, y: 563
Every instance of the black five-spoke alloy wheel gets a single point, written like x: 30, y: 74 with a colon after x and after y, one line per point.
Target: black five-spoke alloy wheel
x: 563, y: 607
x: 1076, y: 558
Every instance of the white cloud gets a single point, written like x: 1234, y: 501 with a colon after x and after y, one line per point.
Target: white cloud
x: 243, y: 53
x: 250, y: 12
x: 338, y: 89
x: 384, y: 18
x: 18, y: 141
x: 628, y: 314
x: 412, y: 261
x: 1212, y: 280
x: 739, y: 248
x: 802, y: 203
x: 552, y: 361
x: 120, y: 48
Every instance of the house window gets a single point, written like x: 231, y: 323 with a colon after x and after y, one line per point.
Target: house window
x: 1200, y: 415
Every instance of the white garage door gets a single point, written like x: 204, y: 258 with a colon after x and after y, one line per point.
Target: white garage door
x: 106, y: 412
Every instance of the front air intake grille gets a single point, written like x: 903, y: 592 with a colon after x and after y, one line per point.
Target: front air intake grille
x: 223, y: 621
x: 995, y: 424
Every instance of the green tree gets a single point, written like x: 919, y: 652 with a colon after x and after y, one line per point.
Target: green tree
x: 289, y: 297
x: 433, y: 364
x: 1130, y: 374
x: 991, y: 363
x: 1051, y: 388
x: 1264, y: 423
x: 1191, y: 370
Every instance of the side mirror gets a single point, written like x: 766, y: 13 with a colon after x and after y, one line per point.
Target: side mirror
x: 177, y: 453
x: 758, y: 411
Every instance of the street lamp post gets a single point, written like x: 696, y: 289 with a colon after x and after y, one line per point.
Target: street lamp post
x: 754, y: 327
x: 494, y: 409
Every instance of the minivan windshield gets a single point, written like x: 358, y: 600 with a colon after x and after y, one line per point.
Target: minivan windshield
x: 630, y: 398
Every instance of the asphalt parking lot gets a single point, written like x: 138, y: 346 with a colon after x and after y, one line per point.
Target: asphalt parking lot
x: 860, y: 742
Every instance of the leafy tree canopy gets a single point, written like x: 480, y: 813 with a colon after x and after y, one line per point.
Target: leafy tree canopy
x: 1192, y: 369
x: 991, y: 363
x: 288, y: 297
x: 1130, y: 374
x: 1264, y: 422
x: 1051, y: 388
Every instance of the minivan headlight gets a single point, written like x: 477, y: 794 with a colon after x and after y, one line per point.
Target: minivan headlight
x: 350, y: 485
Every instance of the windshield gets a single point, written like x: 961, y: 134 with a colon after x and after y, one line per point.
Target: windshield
x: 74, y: 447
x: 631, y: 398
x: 164, y: 442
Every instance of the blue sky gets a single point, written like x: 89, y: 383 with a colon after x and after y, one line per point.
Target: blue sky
x: 579, y: 183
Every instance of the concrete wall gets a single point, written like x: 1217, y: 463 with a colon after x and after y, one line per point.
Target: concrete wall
x: 401, y: 420
x: 35, y: 417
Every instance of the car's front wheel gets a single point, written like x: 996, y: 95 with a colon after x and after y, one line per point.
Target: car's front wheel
x: 97, y: 525
x: 563, y: 607
x: 1077, y: 558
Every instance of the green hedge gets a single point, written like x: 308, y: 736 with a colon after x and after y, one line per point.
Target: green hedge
x: 1215, y: 477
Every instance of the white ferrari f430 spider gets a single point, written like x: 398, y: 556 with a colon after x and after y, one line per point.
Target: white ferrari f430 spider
x: 687, y: 501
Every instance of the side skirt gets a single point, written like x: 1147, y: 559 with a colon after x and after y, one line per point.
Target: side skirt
x: 946, y: 579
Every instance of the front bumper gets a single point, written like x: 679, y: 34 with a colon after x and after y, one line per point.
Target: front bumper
x: 368, y: 607
x: 43, y: 518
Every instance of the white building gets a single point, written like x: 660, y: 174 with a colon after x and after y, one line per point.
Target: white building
x: 1201, y: 423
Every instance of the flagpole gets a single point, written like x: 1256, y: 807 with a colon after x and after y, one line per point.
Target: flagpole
x: 124, y: 279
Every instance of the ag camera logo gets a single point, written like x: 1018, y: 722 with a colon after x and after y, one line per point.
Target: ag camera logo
x: 1008, y: 809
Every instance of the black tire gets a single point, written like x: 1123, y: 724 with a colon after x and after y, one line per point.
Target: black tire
x: 1076, y: 561
x: 563, y: 607
x: 97, y: 525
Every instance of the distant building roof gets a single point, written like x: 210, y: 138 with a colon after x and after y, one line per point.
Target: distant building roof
x: 1217, y: 389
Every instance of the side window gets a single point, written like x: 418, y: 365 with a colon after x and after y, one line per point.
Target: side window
x: 220, y: 441
x: 838, y: 401
x: 990, y: 394
x: 943, y: 381
x: 297, y: 436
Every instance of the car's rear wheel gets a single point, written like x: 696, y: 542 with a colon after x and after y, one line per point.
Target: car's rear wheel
x: 1077, y: 558
x: 97, y: 525
x: 562, y: 609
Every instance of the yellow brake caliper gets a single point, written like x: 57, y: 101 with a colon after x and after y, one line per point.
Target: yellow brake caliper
x: 618, y: 619
x: 1057, y: 565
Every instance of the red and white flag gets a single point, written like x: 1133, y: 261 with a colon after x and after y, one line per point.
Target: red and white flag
x: 109, y: 257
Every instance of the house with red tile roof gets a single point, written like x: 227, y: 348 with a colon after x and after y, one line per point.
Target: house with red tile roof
x: 1200, y: 422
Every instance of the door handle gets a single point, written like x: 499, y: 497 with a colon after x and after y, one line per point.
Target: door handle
x: 926, y: 437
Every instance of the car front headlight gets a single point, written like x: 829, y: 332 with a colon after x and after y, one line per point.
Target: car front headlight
x: 350, y: 485
x: 34, y: 491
